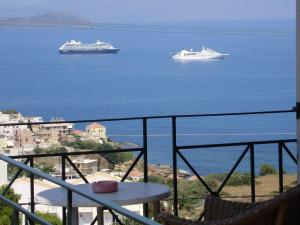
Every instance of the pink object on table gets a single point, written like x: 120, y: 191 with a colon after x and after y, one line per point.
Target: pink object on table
x: 106, y: 186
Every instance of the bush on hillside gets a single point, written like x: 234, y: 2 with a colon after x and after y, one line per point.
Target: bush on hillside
x: 9, y: 111
x: 49, y: 150
x: 266, y: 169
x: 236, y: 179
x: 6, y: 212
x: 51, y: 218
x: 112, y: 158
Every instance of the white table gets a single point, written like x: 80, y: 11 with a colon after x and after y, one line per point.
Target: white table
x: 128, y: 193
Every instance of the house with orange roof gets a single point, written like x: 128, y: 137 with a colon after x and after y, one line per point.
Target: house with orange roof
x: 97, y: 131
x: 77, y: 132
x: 136, y: 175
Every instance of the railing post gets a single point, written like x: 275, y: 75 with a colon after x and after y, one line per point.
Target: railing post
x: 252, y: 172
x: 63, y: 177
x: 32, y: 206
x: 15, y: 219
x: 30, y: 126
x: 298, y: 85
x: 145, y: 153
x: 280, y: 167
x: 69, y: 220
x: 174, y: 141
x: 26, y: 221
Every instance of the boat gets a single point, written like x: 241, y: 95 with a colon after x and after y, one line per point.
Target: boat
x: 76, y: 47
x: 204, y: 54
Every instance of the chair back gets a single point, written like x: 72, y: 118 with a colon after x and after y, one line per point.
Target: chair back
x: 283, y: 209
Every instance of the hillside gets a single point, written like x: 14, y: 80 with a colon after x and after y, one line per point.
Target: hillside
x: 52, y: 19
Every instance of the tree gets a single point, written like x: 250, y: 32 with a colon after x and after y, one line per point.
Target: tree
x: 127, y: 221
x: 38, y: 150
x: 266, y: 169
x: 51, y: 218
x: 51, y: 149
x: 112, y: 158
x: 6, y: 212
x: 9, y: 111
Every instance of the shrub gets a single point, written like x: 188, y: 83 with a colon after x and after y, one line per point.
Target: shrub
x: 51, y: 218
x: 112, y: 158
x: 127, y: 221
x: 9, y: 111
x: 45, y: 168
x: 6, y: 212
x: 38, y: 150
x: 266, y: 169
x: 236, y: 179
x: 51, y: 149
x: 117, y: 158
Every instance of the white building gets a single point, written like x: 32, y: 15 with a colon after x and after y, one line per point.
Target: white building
x: 5, y: 143
x: 97, y: 131
x: 33, y: 119
x: 9, y: 131
x: 3, y: 172
x: 86, y: 166
x: 4, y: 118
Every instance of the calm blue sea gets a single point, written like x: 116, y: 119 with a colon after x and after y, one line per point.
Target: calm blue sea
x: 143, y: 80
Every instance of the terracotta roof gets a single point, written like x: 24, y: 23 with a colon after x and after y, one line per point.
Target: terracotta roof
x: 135, y: 173
x: 77, y: 132
x: 95, y: 125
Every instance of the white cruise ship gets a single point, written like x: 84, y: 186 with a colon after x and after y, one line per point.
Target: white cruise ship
x: 205, y: 54
x: 74, y: 47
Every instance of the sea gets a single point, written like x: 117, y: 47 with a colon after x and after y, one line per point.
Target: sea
x: 144, y: 80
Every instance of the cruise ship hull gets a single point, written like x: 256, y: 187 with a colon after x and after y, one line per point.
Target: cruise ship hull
x: 92, y: 51
x: 205, y: 54
x: 199, y: 57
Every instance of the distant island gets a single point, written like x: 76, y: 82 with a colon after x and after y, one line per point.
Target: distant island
x: 57, y: 19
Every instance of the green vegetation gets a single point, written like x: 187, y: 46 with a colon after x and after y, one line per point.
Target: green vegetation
x: 159, y: 180
x: 51, y: 218
x: 236, y: 179
x: 192, y: 192
x: 127, y: 221
x: 266, y: 169
x: 189, y: 192
x: 47, y: 164
x: 6, y: 212
x: 44, y: 168
x: 49, y: 150
x: 112, y: 158
x: 12, y: 170
x: 9, y: 111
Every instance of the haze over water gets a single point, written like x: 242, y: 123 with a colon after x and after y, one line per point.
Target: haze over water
x: 143, y: 79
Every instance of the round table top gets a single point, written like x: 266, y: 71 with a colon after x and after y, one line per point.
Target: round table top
x: 128, y: 193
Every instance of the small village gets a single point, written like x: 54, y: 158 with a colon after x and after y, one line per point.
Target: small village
x: 38, y: 138
x: 22, y: 139
x: 62, y: 136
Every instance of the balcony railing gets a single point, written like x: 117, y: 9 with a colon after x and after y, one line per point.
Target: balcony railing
x: 142, y: 153
x: 70, y: 190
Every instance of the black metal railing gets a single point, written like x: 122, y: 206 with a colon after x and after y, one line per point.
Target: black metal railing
x: 249, y: 147
x: 64, y: 159
x: 70, y: 190
x: 142, y: 152
x: 19, y: 209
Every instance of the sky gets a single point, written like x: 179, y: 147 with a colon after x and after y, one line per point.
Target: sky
x: 139, y: 11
